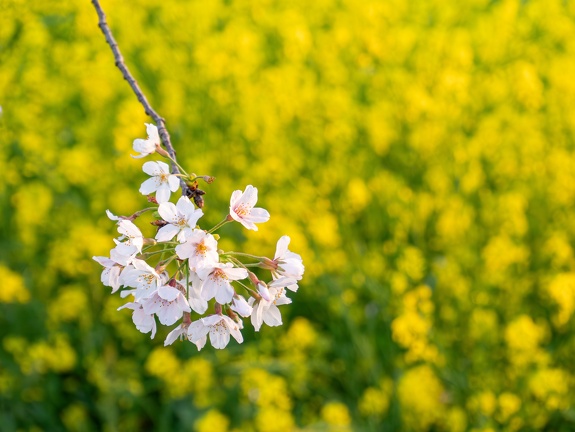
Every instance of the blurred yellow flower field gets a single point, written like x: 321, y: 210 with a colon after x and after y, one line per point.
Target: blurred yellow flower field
x: 421, y: 156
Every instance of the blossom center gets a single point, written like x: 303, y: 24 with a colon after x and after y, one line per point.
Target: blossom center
x: 201, y: 249
x: 278, y: 295
x: 242, y: 210
x: 219, y: 274
x: 219, y: 327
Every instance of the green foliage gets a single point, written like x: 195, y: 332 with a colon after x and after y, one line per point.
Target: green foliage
x: 420, y: 155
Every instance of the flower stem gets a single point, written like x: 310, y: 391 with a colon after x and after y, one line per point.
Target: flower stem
x: 219, y: 225
x: 259, y: 258
x: 179, y: 166
x: 149, y: 254
x: 237, y: 262
x: 140, y: 212
x: 247, y: 288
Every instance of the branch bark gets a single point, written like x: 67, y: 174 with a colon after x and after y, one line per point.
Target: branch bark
x: 121, y: 64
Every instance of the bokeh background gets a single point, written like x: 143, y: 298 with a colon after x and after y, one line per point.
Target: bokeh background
x: 420, y: 154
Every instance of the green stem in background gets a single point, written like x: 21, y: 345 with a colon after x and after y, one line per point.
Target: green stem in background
x: 163, y: 251
x: 259, y: 258
x: 168, y: 243
x: 237, y: 262
x: 167, y: 262
x: 179, y: 166
x: 247, y: 288
x: 140, y: 212
x: 149, y: 254
x: 219, y: 225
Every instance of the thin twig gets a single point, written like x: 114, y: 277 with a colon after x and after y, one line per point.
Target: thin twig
x: 120, y: 64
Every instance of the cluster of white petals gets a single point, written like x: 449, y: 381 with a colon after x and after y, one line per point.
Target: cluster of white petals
x: 180, y: 275
x: 149, y: 145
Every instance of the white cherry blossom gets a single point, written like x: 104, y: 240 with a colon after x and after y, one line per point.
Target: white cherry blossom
x: 131, y: 234
x: 287, y: 263
x: 194, y: 288
x: 161, y: 182
x: 219, y: 327
x: 200, y: 248
x: 242, y: 208
x: 267, y: 310
x: 147, y: 146
x: 144, y: 322
x: 264, y: 291
x: 111, y: 273
x: 129, y: 244
x: 123, y: 254
x: 217, y: 281
x: 180, y: 330
x: 144, y: 278
x: 168, y: 303
x: 241, y: 306
x: 112, y: 216
x: 181, y: 217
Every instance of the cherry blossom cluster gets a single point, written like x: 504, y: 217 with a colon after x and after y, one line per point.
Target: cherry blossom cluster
x: 180, y: 275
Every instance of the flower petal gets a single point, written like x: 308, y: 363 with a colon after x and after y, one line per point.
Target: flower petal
x: 258, y: 215
x: 149, y: 186
x: 163, y: 193
x: 225, y: 293
x: 185, y: 206
x: 282, y: 246
x: 164, y: 167
x: 173, y: 335
x: 153, y: 134
x: 174, y: 183
x: 152, y: 168
x: 167, y: 233
x: 168, y: 293
x: 236, y: 273
x: 272, y: 316
x: 197, y: 330
x: 169, y: 212
x: 250, y: 196
x: 219, y: 338
x: 209, y: 289
x: 236, y: 195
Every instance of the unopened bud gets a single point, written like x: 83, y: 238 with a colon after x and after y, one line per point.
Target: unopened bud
x: 241, y: 306
x: 187, y: 319
x: 199, y: 201
x: 150, y: 241
x: 232, y: 315
x: 218, y: 308
x: 264, y: 291
x: 159, y: 223
x: 208, y: 179
x: 268, y: 264
x: 253, y: 278
x: 152, y: 199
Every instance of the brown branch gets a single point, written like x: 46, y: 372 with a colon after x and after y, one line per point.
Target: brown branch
x: 120, y: 64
